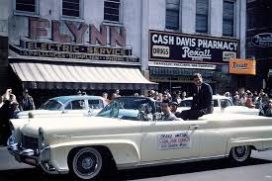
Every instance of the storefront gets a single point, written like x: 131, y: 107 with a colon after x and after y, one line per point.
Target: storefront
x: 259, y: 47
x: 175, y: 57
x: 62, y: 62
x: 259, y: 43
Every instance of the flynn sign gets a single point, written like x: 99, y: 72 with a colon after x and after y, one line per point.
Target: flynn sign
x: 75, y: 40
x: 182, y: 47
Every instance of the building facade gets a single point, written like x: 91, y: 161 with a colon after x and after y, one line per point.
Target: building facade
x: 259, y: 42
x: 67, y: 45
x: 188, y: 36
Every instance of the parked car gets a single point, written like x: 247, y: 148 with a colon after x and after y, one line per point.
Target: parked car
x: 77, y: 105
x: 221, y: 104
x: 124, y: 135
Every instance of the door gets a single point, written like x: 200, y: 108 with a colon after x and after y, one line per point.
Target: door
x: 165, y: 140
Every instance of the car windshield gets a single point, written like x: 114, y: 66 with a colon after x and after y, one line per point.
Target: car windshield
x: 51, y: 105
x: 129, y: 108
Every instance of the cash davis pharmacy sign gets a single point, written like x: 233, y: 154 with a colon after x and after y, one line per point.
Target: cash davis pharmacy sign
x: 170, y: 46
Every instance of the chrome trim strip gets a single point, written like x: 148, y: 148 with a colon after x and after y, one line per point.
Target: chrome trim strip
x: 167, y: 162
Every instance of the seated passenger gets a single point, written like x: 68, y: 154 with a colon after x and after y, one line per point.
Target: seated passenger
x: 166, y: 110
x: 268, y: 111
x: 174, y: 107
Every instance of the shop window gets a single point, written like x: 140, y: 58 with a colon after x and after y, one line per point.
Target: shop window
x: 228, y: 18
x: 28, y: 6
x: 173, y: 14
x: 202, y: 16
x: 71, y: 8
x: 112, y: 10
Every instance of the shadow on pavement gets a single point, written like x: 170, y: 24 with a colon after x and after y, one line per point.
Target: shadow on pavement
x: 32, y: 174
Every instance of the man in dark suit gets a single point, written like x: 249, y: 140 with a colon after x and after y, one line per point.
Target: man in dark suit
x: 202, y: 99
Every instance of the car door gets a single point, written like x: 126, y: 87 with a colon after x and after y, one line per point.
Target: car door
x: 213, y: 139
x: 164, y: 140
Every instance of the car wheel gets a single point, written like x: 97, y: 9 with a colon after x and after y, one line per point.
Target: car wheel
x: 86, y: 164
x: 240, y: 154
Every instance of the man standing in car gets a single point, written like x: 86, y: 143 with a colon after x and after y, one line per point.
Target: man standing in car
x: 202, y: 99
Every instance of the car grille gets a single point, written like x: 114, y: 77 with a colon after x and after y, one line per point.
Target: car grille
x: 29, y: 142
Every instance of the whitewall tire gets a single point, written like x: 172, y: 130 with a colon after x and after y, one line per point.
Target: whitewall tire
x: 86, y: 164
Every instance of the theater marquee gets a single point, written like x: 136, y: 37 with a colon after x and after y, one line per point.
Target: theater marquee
x: 182, y: 47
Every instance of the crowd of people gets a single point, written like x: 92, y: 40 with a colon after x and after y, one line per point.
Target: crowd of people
x: 259, y: 100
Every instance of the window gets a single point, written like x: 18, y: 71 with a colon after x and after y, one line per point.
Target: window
x: 112, y: 10
x: 172, y: 14
x: 71, y: 8
x: 128, y: 108
x: 225, y: 103
x: 75, y: 105
x: 228, y: 18
x: 95, y: 104
x: 202, y: 16
x: 26, y: 6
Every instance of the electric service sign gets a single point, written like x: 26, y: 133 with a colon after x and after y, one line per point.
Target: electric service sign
x: 183, y: 47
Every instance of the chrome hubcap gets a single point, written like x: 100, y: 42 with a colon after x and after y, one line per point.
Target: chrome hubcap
x: 240, y: 151
x: 87, y: 163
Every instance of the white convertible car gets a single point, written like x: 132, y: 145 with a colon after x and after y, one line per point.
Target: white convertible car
x: 120, y: 135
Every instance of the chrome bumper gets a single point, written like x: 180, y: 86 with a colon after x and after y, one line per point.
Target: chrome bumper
x: 28, y: 156
x: 20, y: 154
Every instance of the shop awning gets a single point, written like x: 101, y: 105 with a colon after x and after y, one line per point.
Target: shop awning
x: 67, y: 76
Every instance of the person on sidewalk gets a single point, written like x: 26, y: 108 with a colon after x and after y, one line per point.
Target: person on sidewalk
x: 8, y: 105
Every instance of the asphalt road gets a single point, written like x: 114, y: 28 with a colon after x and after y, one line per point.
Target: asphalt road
x: 259, y: 168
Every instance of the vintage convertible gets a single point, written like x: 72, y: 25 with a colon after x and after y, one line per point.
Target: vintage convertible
x: 122, y: 136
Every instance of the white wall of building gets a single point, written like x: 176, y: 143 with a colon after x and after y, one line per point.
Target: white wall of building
x: 216, y: 20
x: 188, y: 16
x: 5, y: 11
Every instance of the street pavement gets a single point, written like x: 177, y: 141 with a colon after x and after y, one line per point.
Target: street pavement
x: 259, y: 168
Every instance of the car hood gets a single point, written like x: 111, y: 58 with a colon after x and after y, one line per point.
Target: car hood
x: 77, y: 126
x: 25, y: 114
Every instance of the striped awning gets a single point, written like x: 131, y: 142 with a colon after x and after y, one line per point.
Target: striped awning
x: 67, y: 76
